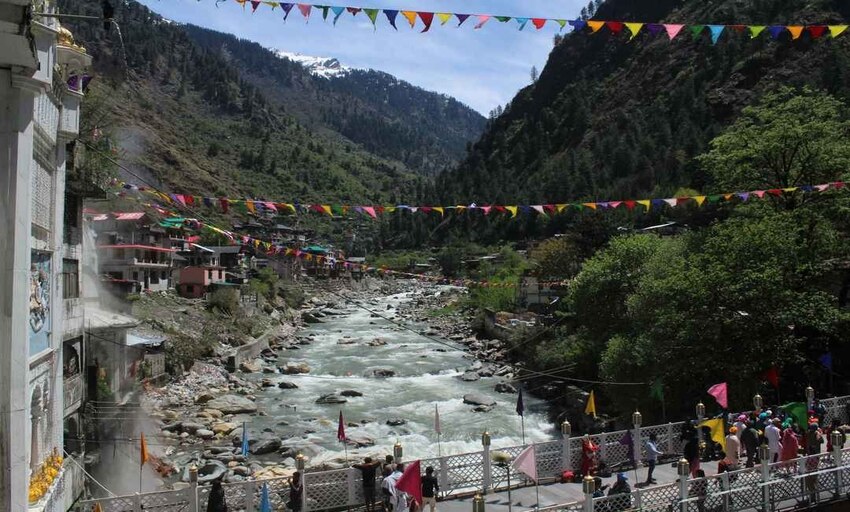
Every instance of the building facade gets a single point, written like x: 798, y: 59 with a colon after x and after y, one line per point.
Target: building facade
x: 41, y: 76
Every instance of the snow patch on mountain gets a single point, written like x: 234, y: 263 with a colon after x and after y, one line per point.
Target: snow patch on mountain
x: 325, y: 67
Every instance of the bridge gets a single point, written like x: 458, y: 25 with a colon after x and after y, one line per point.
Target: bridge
x: 806, y: 481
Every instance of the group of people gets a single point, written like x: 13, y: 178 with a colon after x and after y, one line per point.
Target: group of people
x: 392, y: 498
x: 217, y: 502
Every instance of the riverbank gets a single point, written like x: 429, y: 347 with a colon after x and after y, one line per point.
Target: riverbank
x: 387, y: 380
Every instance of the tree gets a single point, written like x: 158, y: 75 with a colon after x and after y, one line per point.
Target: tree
x: 533, y: 74
x: 557, y: 258
x: 790, y: 138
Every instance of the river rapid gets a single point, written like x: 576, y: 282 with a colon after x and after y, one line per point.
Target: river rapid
x: 427, y: 375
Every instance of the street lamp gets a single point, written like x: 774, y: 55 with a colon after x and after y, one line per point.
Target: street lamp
x: 398, y: 452
x: 566, y: 428
x: 485, y: 438
x: 636, y: 418
x: 810, y: 396
x: 300, y: 462
x: 588, y: 485
x: 477, y: 503
x: 700, y: 410
x: 758, y: 402
x: 193, y: 474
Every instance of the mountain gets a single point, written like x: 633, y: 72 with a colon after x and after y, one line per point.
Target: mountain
x: 190, y: 118
x: 426, y: 131
x: 614, y: 118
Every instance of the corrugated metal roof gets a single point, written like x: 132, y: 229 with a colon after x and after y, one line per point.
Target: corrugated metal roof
x: 128, y: 215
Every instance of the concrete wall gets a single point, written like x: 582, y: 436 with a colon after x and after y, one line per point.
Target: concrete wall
x: 248, y: 352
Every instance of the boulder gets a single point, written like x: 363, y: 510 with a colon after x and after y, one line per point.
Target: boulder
x: 396, y: 422
x: 204, y: 398
x: 483, y: 408
x: 381, y: 372
x: 191, y: 427
x: 478, y: 399
x: 330, y: 399
x: 360, y: 441
x: 310, y: 318
x: 204, y: 433
x: 470, y: 376
x: 233, y: 404
x: 350, y: 392
x: 213, y: 413
x: 250, y: 366
x: 224, y: 428
x: 287, y: 385
x: 377, y: 342
x: 266, y: 445
x: 241, y: 471
x: 211, y: 470
x: 505, y: 387
x: 295, y: 368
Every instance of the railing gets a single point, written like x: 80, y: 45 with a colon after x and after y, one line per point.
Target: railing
x: 73, y: 392
x: 472, y: 472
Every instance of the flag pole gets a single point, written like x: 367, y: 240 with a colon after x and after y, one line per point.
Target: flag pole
x: 439, y: 444
x: 523, y: 429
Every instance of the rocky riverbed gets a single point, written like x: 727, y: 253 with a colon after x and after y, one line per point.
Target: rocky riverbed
x: 350, y: 351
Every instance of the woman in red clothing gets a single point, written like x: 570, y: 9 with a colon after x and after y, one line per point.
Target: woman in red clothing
x: 588, y: 456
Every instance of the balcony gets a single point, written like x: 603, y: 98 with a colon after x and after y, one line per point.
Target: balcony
x: 73, y: 392
x: 149, y: 263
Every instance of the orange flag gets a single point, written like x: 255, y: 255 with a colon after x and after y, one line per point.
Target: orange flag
x: 144, y: 449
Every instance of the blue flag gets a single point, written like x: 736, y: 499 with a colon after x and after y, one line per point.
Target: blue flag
x: 244, y: 440
x: 826, y: 360
x: 520, y: 406
x: 265, y: 502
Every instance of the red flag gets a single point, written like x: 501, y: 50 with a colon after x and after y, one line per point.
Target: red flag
x: 771, y: 376
x: 340, y: 430
x: 411, y: 482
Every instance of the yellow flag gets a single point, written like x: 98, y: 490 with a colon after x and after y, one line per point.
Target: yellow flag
x: 645, y: 202
x: 97, y: 508
x: 590, y: 409
x: 444, y: 17
x: 144, y: 449
x: 511, y: 209
x: 439, y: 209
x: 837, y: 30
x: 560, y: 207
x: 592, y: 206
x: 411, y: 17
x: 699, y: 199
x: 634, y: 28
x: 595, y: 25
x: 718, y: 431
x: 327, y: 209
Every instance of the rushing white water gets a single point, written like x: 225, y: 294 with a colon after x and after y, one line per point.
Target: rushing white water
x: 427, y: 374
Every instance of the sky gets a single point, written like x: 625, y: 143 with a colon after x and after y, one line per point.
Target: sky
x: 482, y: 68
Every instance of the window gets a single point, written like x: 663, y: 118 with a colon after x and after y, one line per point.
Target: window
x: 220, y: 272
x: 135, y: 276
x: 70, y: 279
x: 209, y: 273
x: 162, y: 275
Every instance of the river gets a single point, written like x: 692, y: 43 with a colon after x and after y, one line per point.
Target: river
x: 426, y: 375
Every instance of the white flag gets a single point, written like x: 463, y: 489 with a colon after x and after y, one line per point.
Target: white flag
x: 526, y: 463
x: 437, y: 420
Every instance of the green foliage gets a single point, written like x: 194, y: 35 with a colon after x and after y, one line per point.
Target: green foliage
x: 790, y: 137
x: 557, y: 258
x: 225, y: 300
x: 451, y: 261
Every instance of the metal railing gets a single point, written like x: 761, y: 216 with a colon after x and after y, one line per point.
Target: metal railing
x: 745, y: 489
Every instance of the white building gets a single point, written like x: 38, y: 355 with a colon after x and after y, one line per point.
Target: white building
x: 39, y: 115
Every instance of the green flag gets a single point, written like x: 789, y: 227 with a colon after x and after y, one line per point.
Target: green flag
x: 799, y: 412
x: 656, y: 390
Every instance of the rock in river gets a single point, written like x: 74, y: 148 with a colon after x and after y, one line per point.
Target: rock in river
x: 295, y: 368
x: 478, y: 399
x: 287, y: 385
x: 330, y: 399
x: 396, y: 422
x: 505, y: 387
x: 470, y: 376
x: 233, y: 404
x: 266, y: 445
x: 350, y: 392
x: 381, y: 372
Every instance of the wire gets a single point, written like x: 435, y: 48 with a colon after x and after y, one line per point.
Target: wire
x: 68, y: 456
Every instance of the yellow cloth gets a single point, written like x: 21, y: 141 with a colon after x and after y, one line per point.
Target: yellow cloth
x: 590, y: 409
x: 718, y: 430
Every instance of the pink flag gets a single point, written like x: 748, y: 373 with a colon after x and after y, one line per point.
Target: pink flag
x: 411, y: 482
x: 719, y: 392
x: 437, y: 428
x: 673, y: 30
x: 526, y: 463
x: 370, y: 210
x: 340, y: 429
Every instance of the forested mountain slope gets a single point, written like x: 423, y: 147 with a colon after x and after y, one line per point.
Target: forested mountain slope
x: 611, y: 118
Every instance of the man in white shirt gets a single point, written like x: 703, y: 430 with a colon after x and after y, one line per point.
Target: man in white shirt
x: 773, y: 436
x: 389, y: 491
x: 652, y: 454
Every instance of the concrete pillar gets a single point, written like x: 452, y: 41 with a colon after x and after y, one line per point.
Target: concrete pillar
x: 588, y: 486
x: 764, y: 454
x: 487, y: 482
x: 16, y: 150
x: 351, y: 481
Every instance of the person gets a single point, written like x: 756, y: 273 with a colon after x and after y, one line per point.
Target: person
x: 430, y: 487
x: 699, y: 490
x: 621, y: 486
x: 388, y: 489
x: 598, y: 488
x: 733, y: 448
x: 388, y: 466
x: 296, y: 492
x: 588, y: 456
x: 750, y: 441
x: 814, y: 439
x: 740, y: 425
x: 790, y: 448
x: 834, y: 427
x: 368, y: 472
x: 652, y: 454
x: 217, y: 502
x: 773, y: 436
x: 691, y: 453
x: 819, y: 410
